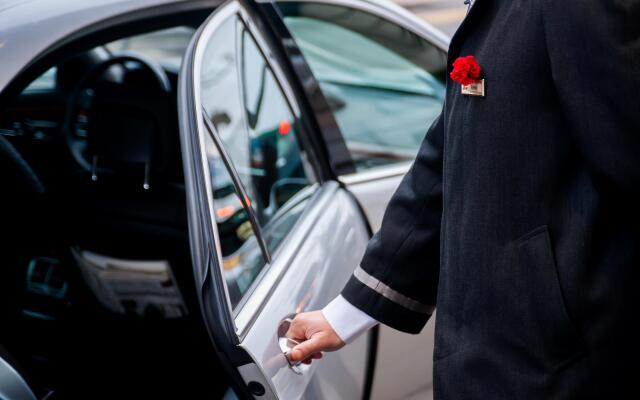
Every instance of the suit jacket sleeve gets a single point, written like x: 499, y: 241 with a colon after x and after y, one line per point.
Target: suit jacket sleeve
x: 397, y: 279
x: 594, y: 52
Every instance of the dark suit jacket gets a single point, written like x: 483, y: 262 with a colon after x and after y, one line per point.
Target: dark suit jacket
x: 519, y: 217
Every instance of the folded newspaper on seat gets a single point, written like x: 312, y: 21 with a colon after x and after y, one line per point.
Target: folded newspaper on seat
x: 139, y: 287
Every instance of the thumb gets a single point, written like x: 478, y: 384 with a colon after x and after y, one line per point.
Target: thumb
x: 305, y: 349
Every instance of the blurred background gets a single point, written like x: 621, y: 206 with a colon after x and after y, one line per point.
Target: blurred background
x: 445, y: 15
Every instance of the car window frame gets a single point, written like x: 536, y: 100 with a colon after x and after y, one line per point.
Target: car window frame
x: 252, y: 300
x: 242, y: 349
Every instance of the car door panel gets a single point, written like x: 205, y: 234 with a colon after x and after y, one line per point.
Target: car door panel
x: 374, y: 189
x: 308, y: 267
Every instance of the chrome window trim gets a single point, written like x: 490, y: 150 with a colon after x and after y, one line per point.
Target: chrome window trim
x: 378, y: 173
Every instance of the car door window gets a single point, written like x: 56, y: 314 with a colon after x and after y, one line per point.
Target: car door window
x: 274, y: 165
x: 384, y: 83
x: 242, y: 259
x: 257, y: 131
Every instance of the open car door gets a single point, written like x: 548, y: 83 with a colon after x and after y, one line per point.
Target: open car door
x: 272, y: 234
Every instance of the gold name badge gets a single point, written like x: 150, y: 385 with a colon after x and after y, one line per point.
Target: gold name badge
x: 474, y: 89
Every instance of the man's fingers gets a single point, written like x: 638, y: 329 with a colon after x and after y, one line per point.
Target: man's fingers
x: 305, y: 350
x: 296, y: 331
x: 314, y: 335
x: 314, y: 356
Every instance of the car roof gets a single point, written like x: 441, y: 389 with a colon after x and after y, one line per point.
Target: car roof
x: 29, y: 27
x: 393, y: 12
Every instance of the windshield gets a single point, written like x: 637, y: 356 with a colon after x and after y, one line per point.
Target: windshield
x: 166, y: 46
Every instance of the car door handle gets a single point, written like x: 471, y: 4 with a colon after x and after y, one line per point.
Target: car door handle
x: 286, y: 344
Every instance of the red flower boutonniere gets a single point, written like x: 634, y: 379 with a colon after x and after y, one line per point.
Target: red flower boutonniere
x: 466, y: 72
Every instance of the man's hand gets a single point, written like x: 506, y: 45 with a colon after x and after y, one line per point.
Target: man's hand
x: 315, y: 335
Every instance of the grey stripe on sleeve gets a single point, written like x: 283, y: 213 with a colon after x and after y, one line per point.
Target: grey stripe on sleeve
x: 390, y: 293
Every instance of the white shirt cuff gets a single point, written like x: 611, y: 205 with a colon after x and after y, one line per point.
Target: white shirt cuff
x: 348, y: 321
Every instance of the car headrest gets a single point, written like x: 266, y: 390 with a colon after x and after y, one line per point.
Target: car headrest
x: 133, y: 132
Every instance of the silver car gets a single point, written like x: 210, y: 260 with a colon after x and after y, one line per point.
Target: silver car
x: 185, y: 176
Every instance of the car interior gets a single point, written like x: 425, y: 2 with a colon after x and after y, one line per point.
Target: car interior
x: 97, y: 297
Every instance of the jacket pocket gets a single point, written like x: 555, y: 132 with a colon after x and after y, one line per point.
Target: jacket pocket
x: 542, y: 329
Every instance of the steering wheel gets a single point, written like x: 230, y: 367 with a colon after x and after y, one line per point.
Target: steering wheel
x: 113, y: 103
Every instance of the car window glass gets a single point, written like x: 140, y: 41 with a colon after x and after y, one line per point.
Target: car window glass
x: 46, y: 81
x: 384, y: 84
x: 220, y: 96
x: 273, y: 164
x: 258, y: 131
x: 242, y: 259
